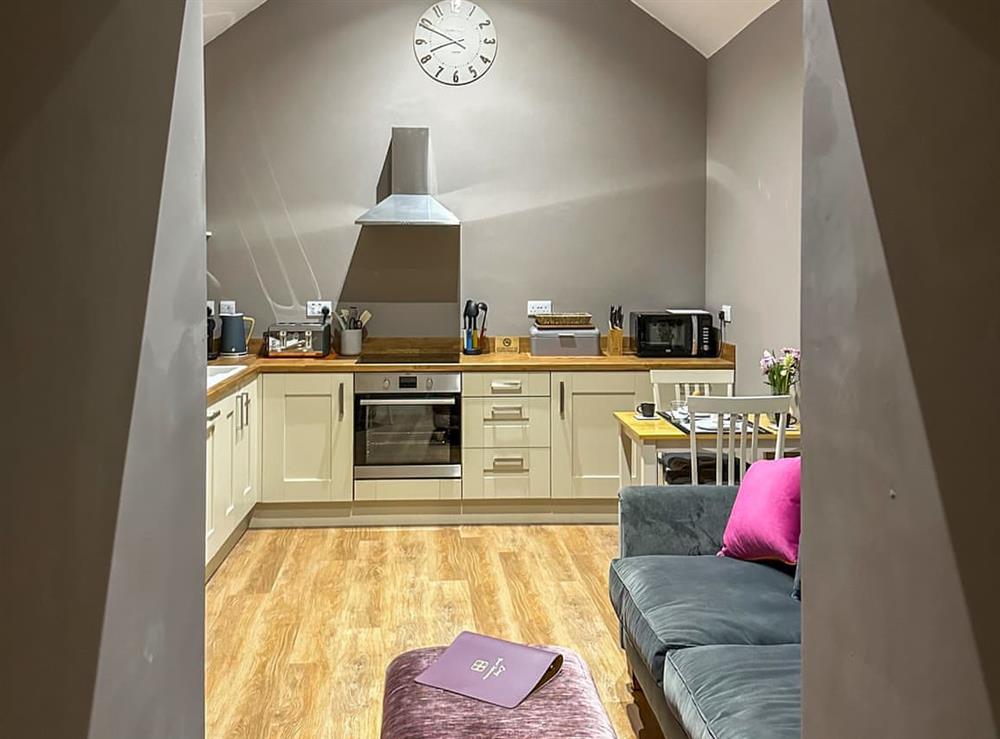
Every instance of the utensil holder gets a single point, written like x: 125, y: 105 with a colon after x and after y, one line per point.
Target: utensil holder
x: 616, y: 339
x: 470, y: 342
x: 350, y: 342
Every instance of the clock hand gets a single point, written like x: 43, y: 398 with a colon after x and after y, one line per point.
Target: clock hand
x: 449, y: 43
x: 429, y: 27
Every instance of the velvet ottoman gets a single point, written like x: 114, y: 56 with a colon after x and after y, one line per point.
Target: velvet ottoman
x: 567, y: 706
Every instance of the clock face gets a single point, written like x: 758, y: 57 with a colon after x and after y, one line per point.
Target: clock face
x: 455, y: 42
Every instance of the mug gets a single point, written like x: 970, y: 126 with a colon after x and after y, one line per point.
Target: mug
x: 646, y: 410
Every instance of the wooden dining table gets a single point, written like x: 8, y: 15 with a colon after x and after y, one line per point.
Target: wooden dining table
x: 641, y: 440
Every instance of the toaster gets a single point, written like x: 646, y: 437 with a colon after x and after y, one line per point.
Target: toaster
x: 305, y: 339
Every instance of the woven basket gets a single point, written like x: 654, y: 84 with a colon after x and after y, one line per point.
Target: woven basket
x: 564, y: 319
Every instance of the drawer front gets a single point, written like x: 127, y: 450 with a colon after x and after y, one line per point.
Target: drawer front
x: 505, y: 473
x: 407, y: 489
x: 506, y: 422
x: 505, y: 384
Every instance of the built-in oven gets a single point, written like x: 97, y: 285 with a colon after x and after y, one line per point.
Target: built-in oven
x: 407, y: 425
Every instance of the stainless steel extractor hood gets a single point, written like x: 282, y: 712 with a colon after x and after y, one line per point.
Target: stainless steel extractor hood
x: 410, y: 201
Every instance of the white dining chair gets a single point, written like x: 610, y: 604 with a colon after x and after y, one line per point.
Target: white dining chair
x: 747, y: 410
x: 687, y: 383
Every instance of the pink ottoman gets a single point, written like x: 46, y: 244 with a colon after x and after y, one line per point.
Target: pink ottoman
x: 567, y: 707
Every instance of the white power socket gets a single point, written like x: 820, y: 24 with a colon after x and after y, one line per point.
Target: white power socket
x: 314, y: 308
x: 727, y: 313
x: 539, y: 307
x: 227, y: 307
x: 211, y: 306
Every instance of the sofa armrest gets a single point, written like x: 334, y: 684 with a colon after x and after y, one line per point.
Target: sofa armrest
x: 673, y: 519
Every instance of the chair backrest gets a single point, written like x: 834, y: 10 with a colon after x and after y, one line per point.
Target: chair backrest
x: 746, y: 409
x: 686, y: 383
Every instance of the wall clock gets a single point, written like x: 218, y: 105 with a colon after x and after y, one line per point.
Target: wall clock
x: 455, y: 42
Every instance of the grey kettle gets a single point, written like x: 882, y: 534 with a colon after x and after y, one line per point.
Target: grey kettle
x: 235, y: 335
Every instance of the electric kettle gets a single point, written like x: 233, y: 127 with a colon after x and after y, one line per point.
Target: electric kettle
x: 235, y: 335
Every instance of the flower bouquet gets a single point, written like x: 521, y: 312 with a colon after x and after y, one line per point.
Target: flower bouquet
x: 781, y: 371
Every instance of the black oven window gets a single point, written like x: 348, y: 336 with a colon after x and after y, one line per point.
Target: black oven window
x: 407, y: 434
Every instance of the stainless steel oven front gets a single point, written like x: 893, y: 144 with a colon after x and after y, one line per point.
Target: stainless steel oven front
x: 407, y: 425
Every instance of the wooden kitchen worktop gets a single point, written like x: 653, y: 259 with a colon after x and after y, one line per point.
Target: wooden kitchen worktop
x: 493, y: 362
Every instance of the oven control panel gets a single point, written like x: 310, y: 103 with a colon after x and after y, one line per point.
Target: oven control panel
x: 419, y: 382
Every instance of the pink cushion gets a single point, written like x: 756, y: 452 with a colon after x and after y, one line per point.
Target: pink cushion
x: 765, y: 522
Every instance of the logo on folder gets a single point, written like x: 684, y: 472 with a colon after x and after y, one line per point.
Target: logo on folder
x: 492, y: 670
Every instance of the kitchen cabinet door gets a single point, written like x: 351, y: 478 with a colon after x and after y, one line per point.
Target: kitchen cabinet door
x: 246, y: 450
x: 220, y: 504
x: 585, y: 433
x: 308, y: 437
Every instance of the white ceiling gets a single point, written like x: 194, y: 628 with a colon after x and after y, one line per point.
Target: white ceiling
x: 707, y: 25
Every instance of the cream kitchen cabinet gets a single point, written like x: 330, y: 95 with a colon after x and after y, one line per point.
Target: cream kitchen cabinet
x: 505, y: 435
x: 308, y: 437
x: 505, y: 473
x: 584, y: 434
x: 246, y: 450
x: 218, y: 473
x: 232, y: 470
x: 505, y: 422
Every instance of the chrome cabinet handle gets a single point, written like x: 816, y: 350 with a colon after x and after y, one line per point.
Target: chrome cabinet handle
x: 246, y: 409
x: 501, y: 385
x: 508, y: 410
x: 239, y: 411
x: 517, y: 461
x: 562, y: 399
x: 213, y: 415
x: 340, y: 402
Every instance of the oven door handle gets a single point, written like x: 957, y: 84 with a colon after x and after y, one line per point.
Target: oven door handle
x: 407, y: 401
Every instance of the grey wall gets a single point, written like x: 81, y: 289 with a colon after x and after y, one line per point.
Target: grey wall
x: 102, y: 619
x: 576, y: 163
x: 753, y: 210
x: 150, y: 670
x: 900, y: 506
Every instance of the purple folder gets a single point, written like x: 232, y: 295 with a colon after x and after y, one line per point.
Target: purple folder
x: 491, y: 670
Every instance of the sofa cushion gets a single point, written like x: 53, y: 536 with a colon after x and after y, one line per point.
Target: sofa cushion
x: 735, y: 692
x: 668, y: 602
x: 766, y: 518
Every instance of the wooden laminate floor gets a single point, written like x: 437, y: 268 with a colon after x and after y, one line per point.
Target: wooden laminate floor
x: 301, y: 623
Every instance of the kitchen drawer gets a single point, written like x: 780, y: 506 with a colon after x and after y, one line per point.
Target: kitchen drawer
x: 505, y: 384
x: 407, y: 489
x: 506, y: 422
x: 505, y: 473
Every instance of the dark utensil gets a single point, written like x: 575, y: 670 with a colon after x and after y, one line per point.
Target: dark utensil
x: 485, y: 309
x: 615, y: 316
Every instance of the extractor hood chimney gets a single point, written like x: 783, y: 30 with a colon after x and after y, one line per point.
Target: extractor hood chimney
x: 411, y: 201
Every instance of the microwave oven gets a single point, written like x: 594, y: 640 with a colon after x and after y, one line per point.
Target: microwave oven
x: 674, y: 333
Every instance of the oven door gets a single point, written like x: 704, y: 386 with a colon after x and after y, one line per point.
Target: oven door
x: 667, y: 336
x: 407, y: 436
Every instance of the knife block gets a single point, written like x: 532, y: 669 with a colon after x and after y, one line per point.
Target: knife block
x: 616, y: 339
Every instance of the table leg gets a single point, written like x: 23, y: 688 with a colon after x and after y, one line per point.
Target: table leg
x: 624, y: 459
x: 647, y: 464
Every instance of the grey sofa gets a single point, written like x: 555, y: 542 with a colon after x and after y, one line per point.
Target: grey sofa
x: 712, y: 642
